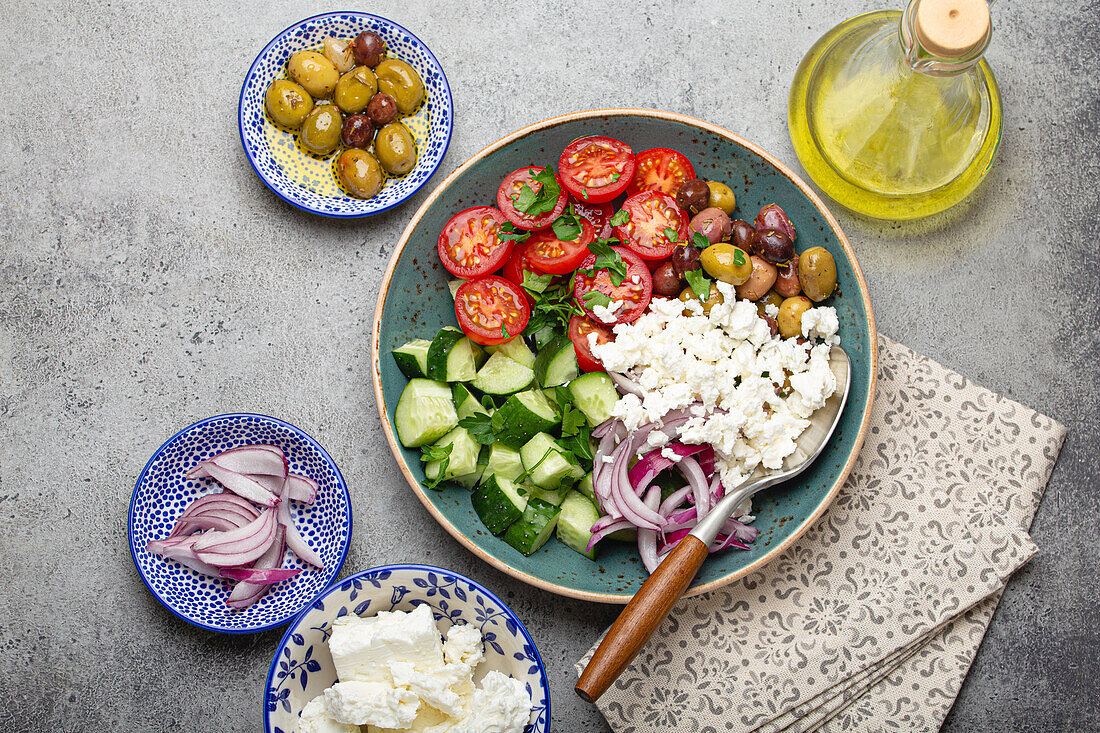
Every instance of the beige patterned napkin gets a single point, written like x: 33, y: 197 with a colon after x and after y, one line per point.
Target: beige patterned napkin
x: 871, y: 620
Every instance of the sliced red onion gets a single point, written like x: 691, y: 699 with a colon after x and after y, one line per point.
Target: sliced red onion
x: 675, y: 499
x: 238, y: 546
x: 646, y: 469
x: 181, y: 551
x: 700, y: 485
x: 245, y: 594
x: 723, y: 542
x: 260, y: 576
x: 605, y: 530
x: 268, y: 460
x: 202, y: 502
x: 190, y: 525
x: 625, y: 384
x: 294, y: 540
x: 605, y: 427
x: 241, y: 485
x: 629, y: 503
x: 302, y: 488
x: 647, y: 538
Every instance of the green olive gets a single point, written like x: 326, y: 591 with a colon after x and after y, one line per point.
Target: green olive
x: 287, y: 103
x: 355, y: 89
x: 769, y: 298
x: 395, y: 149
x: 727, y: 263
x: 400, y: 81
x: 713, y: 299
x: 790, y: 316
x: 320, y: 133
x: 817, y: 273
x: 314, y: 72
x: 360, y: 173
x: 721, y: 197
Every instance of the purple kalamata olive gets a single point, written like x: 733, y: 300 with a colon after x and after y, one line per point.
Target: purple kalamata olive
x: 773, y: 324
x: 382, y: 109
x: 741, y: 234
x: 787, y: 284
x: 772, y: 216
x: 774, y: 246
x: 369, y: 48
x: 712, y: 223
x: 685, y: 258
x: 693, y: 196
x: 666, y: 281
x: 357, y: 131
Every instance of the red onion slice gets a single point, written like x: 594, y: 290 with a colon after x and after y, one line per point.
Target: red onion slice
x: 625, y: 384
x: 260, y: 576
x: 232, y: 499
x: 294, y: 540
x: 302, y: 488
x: 241, y: 485
x: 245, y: 594
x: 238, y: 546
x: 647, y: 538
x: 268, y: 460
x: 190, y: 525
x: 700, y: 486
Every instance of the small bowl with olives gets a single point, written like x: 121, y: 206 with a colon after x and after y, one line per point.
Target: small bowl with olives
x: 345, y: 114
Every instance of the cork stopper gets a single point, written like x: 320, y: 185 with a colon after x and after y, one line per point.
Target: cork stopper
x: 952, y: 29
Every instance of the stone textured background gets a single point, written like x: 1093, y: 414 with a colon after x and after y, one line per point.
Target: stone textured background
x: 148, y: 279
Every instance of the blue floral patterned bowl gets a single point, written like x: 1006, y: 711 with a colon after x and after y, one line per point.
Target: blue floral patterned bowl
x: 309, y: 182
x: 302, y: 667
x: 162, y: 493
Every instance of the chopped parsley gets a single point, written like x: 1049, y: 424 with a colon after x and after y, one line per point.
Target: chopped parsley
x: 567, y: 227
x: 533, y: 204
x: 699, y: 283
x: 700, y: 241
x: 606, y: 259
x: 671, y: 235
x: 738, y: 257
x: 480, y: 428
x: 552, y: 309
x: 508, y: 232
x: 622, y: 216
x: 536, y: 282
x: 594, y: 297
x: 441, y: 453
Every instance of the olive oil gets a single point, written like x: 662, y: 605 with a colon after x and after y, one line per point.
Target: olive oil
x: 890, y: 119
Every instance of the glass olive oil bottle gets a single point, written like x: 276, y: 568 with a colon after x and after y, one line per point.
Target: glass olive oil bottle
x: 896, y: 115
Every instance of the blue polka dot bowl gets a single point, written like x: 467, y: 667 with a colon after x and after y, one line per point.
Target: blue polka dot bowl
x: 302, y: 667
x: 310, y: 182
x: 162, y: 494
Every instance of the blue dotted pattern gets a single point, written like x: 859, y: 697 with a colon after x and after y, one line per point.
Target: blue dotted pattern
x: 311, y: 33
x: 302, y: 667
x: 162, y: 494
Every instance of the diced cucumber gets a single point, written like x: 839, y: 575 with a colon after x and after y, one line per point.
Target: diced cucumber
x: 557, y: 363
x: 544, y: 336
x: 546, y: 465
x: 501, y: 375
x: 594, y: 394
x: 498, y: 503
x: 522, y: 416
x: 586, y: 487
x: 465, y: 403
x: 412, y: 358
x: 471, y: 480
x: 530, y: 532
x: 452, y: 357
x: 454, y: 285
x: 516, y: 350
x: 551, y: 497
x: 463, y: 458
x: 503, y: 462
x: 425, y: 413
x: 575, y: 521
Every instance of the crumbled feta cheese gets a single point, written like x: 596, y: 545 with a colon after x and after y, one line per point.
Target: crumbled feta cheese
x: 502, y: 705
x: 373, y: 703
x: 657, y: 439
x: 771, y: 309
x: 606, y: 313
x: 671, y: 455
x: 363, y: 647
x: 820, y: 323
x: 315, y: 719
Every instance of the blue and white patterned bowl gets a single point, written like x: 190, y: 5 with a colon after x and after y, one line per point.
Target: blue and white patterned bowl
x: 308, y: 182
x: 162, y: 493
x: 302, y: 667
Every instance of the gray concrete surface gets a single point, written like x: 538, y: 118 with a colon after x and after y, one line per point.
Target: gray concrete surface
x: 148, y: 279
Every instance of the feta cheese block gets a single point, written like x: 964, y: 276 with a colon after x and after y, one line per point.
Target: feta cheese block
x: 363, y: 647
x: 315, y: 719
x: 500, y: 705
x: 371, y: 703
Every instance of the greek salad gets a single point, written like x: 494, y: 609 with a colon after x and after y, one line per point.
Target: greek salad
x: 625, y: 352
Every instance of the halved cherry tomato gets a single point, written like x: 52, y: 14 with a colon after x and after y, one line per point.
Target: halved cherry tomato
x: 599, y: 214
x: 491, y: 310
x: 517, y: 264
x: 469, y: 245
x: 596, y: 168
x: 660, y: 169
x: 634, y: 291
x: 651, y: 214
x: 509, y: 191
x: 559, y: 256
x: 579, y: 328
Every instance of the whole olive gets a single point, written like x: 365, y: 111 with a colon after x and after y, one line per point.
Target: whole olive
x: 713, y: 224
x: 790, y: 316
x: 357, y: 131
x: 773, y: 325
x: 287, y: 103
x: 713, y: 298
x: 399, y: 80
x: 339, y: 52
x: 727, y: 263
x: 760, y: 281
x: 313, y: 72
x: 360, y: 173
x: 786, y: 284
x: 320, y: 133
x: 721, y: 197
x: 693, y: 196
x: 817, y: 273
x: 769, y: 298
x: 772, y: 216
x: 772, y: 245
x: 395, y: 149
x: 355, y: 90
x: 369, y: 48
x: 382, y: 109
x: 666, y: 281
x: 741, y: 235
x: 685, y: 259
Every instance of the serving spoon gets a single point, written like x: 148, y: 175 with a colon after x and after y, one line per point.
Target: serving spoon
x: 653, y: 601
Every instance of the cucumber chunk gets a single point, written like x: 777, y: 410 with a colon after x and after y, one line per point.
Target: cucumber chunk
x: 546, y: 465
x: 498, y: 503
x: 465, y: 403
x: 522, y: 416
x: 425, y: 413
x: 530, y: 532
x: 516, y: 350
x: 462, y: 460
x: 557, y: 363
x: 555, y: 497
x: 503, y: 462
x: 454, y: 285
x: 452, y: 357
x: 587, y: 488
x: 501, y: 375
x: 594, y: 394
x: 575, y: 521
x: 412, y: 358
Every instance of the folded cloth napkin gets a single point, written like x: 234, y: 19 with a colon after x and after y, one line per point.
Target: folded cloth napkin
x: 871, y: 620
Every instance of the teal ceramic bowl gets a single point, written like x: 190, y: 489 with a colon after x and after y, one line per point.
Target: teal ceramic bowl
x: 414, y: 302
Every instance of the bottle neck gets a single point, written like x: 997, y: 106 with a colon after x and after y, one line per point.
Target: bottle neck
x: 921, y: 60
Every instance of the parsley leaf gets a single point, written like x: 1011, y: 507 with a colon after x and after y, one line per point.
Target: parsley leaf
x: 699, y: 284
x: 536, y: 282
x: 738, y: 257
x: 607, y: 259
x: 480, y: 427
x: 594, y: 297
x: 671, y: 234
x: 504, y: 331
x: 622, y: 216
x: 579, y: 444
x: 441, y: 453
x: 552, y: 308
x: 567, y: 227
x: 700, y: 241
x: 487, y: 402
x: 508, y: 232
x: 572, y: 421
x: 531, y: 203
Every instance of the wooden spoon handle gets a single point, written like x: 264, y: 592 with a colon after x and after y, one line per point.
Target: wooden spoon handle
x: 641, y: 617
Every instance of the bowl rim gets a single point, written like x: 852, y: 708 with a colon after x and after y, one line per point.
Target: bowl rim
x: 337, y: 566
x: 353, y: 215
x: 544, y: 677
x: 819, y: 204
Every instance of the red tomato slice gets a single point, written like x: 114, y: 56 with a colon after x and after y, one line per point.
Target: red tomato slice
x: 579, y: 328
x: 635, y: 289
x: 509, y: 191
x: 660, y: 169
x: 491, y: 310
x: 651, y: 213
x: 596, y: 168
x: 517, y: 264
x: 599, y: 214
x: 469, y: 245
x: 558, y: 256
